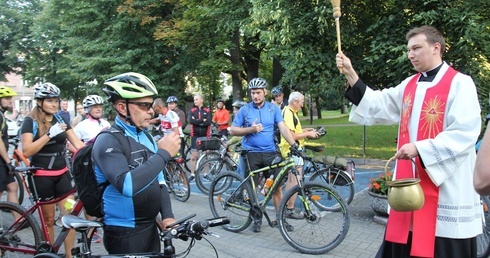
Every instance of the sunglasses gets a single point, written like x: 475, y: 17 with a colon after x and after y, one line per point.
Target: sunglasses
x: 142, y: 105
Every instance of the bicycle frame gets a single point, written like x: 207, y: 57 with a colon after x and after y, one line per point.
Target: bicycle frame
x: 286, y: 165
x: 37, y: 207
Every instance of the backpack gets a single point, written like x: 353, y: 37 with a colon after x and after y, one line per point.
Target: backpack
x: 89, y: 191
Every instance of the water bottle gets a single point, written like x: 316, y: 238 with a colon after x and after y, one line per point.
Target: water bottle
x: 69, y: 204
x: 267, y: 185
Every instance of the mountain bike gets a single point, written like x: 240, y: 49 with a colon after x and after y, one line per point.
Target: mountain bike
x: 337, y: 172
x: 483, y: 240
x: 183, y: 229
x: 325, y: 221
x: 210, y: 167
x: 25, y: 234
x: 176, y: 179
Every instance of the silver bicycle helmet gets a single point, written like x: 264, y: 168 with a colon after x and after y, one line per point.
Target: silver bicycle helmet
x: 238, y: 104
x: 257, y: 83
x: 276, y: 91
x: 46, y: 90
x: 91, y: 100
x: 172, y: 99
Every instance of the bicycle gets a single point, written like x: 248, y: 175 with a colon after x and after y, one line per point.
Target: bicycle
x: 19, y: 160
x: 483, y: 240
x: 212, y: 165
x: 323, y: 209
x: 25, y: 234
x: 336, y: 172
x: 176, y: 179
x: 183, y: 229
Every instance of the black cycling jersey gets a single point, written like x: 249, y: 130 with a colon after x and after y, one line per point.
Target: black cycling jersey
x: 136, y: 193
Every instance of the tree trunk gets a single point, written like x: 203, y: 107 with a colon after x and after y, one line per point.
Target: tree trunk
x: 318, y: 107
x: 236, y: 77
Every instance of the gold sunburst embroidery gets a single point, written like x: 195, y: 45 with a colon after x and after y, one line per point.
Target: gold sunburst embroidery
x: 431, y: 117
x: 406, y: 110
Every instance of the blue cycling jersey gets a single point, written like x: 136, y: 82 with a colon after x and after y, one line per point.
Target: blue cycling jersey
x: 268, y: 115
x: 135, y: 195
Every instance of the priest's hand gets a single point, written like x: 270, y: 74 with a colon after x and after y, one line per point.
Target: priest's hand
x: 407, y: 151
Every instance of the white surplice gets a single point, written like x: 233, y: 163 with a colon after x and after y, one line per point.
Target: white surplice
x: 449, y: 158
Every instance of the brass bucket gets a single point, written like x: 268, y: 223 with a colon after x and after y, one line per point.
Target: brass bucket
x: 405, y: 194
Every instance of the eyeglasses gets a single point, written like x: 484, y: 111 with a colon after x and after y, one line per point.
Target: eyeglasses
x: 142, y: 105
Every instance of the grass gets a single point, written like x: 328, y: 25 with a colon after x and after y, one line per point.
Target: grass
x: 345, y: 139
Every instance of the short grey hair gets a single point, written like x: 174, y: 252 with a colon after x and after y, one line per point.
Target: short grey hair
x: 296, y: 95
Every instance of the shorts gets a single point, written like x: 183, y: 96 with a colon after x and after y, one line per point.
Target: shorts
x: 298, y: 161
x: 140, y: 239
x: 5, y: 177
x: 51, y: 187
x: 262, y: 159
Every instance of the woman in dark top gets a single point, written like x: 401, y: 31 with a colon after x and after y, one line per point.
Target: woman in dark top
x: 44, y: 136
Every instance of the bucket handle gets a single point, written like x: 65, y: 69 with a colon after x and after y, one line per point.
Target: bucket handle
x: 417, y: 174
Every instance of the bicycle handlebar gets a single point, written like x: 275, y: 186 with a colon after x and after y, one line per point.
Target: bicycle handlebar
x: 193, y: 228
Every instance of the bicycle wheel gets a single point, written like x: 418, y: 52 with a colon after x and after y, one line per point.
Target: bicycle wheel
x: 483, y: 240
x: 338, y: 179
x: 233, y: 201
x: 212, y: 154
x: 20, y: 189
x: 23, y: 236
x: 319, y: 231
x: 208, y: 170
x: 177, y: 182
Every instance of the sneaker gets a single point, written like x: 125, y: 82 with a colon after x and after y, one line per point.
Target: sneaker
x: 294, y: 214
x: 206, y: 177
x: 191, y: 178
x: 289, y: 227
x: 256, y: 227
x: 96, y: 238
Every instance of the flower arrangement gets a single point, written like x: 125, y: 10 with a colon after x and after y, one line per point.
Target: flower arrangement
x: 378, y: 185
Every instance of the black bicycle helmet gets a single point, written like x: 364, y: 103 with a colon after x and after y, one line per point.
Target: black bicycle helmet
x: 276, y: 91
x: 129, y: 86
x: 257, y: 83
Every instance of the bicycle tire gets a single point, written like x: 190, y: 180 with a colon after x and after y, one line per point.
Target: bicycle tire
x: 338, y: 179
x: 20, y: 189
x: 211, y: 154
x: 234, y: 201
x: 15, y: 238
x: 323, y: 230
x: 211, y: 168
x: 177, y: 181
x: 483, y: 240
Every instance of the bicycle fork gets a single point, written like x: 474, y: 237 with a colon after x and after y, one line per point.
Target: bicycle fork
x: 309, y: 214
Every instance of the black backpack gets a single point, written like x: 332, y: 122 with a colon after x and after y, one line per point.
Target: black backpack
x: 89, y: 191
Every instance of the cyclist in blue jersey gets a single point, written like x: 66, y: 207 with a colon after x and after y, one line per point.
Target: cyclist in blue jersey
x: 137, y: 192
x: 255, y: 121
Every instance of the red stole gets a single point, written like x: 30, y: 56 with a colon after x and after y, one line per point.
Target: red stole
x: 430, y: 125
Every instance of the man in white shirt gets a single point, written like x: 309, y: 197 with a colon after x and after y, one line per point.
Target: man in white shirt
x: 169, y: 120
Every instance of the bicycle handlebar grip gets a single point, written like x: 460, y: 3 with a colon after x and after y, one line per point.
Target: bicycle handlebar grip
x: 199, y: 226
x: 218, y: 221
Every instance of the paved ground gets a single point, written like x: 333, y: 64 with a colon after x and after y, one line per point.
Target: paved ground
x: 363, y: 239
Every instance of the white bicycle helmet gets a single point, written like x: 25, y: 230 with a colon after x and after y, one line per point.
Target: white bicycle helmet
x: 91, y: 100
x: 257, y: 83
x: 46, y: 90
